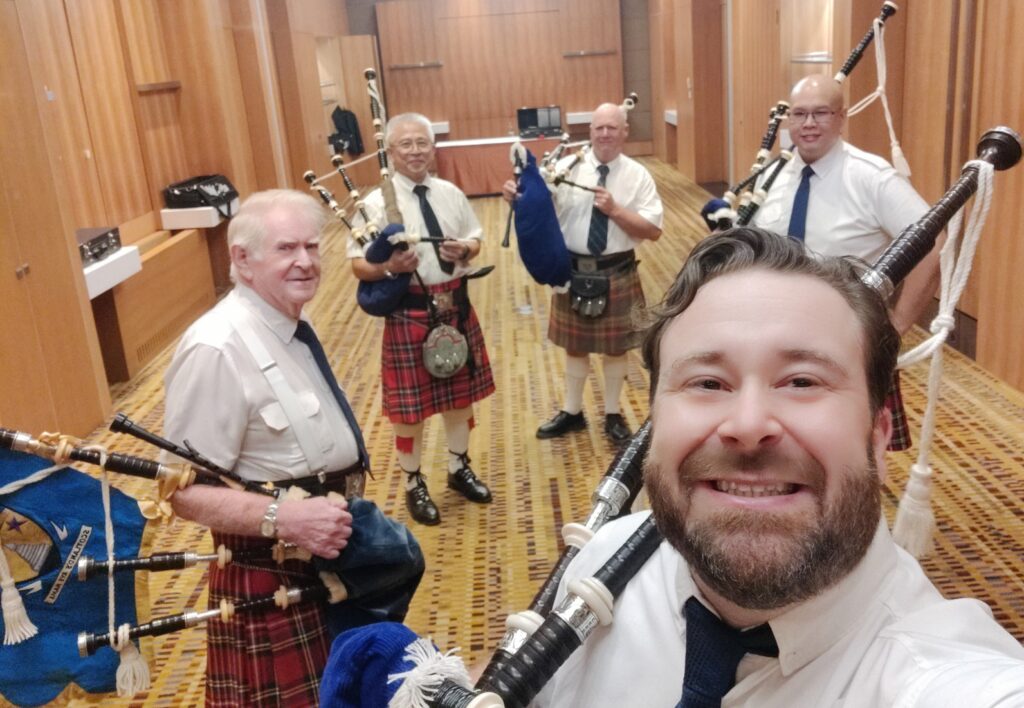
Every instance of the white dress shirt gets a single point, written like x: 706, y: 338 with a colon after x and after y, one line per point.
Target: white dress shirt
x: 882, y: 636
x: 631, y: 186
x: 858, y: 203
x: 220, y: 401
x: 453, y: 213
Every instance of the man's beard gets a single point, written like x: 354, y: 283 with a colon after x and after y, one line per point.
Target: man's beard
x: 764, y: 559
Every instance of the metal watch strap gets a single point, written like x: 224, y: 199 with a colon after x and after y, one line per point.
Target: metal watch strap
x: 268, y: 527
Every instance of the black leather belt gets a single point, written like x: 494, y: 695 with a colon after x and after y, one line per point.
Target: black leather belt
x: 594, y: 264
x: 323, y: 482
x: 447, y: 300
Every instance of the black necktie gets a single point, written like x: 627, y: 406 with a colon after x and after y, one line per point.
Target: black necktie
x: 713, y: 652
x: 798, y: 217
x: 597, y: 237
x: 305, y: 334
x: 433, y: 227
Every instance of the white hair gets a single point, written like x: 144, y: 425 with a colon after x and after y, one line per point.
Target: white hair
x: 248, y: 228
x: 401, y: 118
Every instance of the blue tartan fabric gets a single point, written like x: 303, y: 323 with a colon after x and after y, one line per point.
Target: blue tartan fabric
x: 612, y: 333
x: 410, y: 394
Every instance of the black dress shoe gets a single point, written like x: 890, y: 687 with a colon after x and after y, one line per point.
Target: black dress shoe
x: 615, y: 428
x: 421, y: 507
x: 561, y: 424
x: 466, y: 483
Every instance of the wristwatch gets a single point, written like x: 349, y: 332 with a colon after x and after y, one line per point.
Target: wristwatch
x: 268, y: 527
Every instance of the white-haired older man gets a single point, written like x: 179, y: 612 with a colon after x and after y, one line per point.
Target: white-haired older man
x: 249, y: 387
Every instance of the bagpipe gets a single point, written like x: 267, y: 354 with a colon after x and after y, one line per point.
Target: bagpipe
x: 541, y: 243
x: 535, y: 647
x: 740, y: 202
x: 376, y: 573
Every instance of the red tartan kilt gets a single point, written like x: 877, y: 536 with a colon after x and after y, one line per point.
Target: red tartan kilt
x: 270, y: 657
x: 410, y: 394
x: 612, y: 333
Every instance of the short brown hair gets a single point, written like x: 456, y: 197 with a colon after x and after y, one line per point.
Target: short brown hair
x: 744, y: 248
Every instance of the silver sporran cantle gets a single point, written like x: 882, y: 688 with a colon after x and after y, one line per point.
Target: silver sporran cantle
x: 445, y: 351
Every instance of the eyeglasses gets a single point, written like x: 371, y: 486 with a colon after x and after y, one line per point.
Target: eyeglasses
x: 409, y: 145
x: 821, y: 116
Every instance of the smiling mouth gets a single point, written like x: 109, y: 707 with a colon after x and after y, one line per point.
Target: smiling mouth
x: 776, y: 489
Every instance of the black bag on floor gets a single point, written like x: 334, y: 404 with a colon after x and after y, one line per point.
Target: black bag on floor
x: 206, y: 190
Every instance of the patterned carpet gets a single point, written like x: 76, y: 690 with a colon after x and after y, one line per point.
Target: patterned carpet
x: 484, y: 562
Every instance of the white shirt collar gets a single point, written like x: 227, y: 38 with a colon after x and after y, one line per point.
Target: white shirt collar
x: 279, y: 323
x: 824, y: 164
x: 808, y: 630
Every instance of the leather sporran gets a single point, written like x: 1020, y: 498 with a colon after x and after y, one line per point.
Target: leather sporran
x: 589, y: 293
x: 445, y: 351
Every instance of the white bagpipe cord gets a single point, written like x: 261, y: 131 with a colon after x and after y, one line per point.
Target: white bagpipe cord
x: 899, y: 161
x: 915, y: 520
x: 430, y: 668
x: 132, y: 672
x: 17, y: 626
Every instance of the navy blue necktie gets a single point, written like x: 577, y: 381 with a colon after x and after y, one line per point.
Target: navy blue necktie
x: 713, y: 653
x: 798, y: 218
x: 597, y: 237
x: 433, y: 227
x: 305, y: 334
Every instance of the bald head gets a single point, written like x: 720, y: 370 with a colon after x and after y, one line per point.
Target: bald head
x: 816, y: 116
x: 608, y: 131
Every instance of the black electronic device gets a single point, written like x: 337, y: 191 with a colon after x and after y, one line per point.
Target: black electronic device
x: 539, y: 122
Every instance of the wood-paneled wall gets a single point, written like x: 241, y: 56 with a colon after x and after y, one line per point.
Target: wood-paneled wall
x: 998, y: 99
x: 482, y: 60
x: 119, y: 98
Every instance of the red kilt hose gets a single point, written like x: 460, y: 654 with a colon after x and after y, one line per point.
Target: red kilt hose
x: 410, y: 394
x: 900, y: 439
x: 612, y: 333
x: 269, y: 657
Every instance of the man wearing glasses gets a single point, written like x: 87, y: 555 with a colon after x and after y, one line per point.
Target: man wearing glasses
x: 842, y: 201
x: 437, y: 296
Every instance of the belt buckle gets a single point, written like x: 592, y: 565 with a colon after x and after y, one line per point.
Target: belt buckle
x: 445, y: 300
x: 587, y: 265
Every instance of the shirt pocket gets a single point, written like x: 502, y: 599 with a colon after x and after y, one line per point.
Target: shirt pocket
x: 273, y: 417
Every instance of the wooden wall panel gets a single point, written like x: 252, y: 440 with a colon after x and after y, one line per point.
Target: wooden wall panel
x: 999, y: 100
x: 144, y: 41
x: 658, y: 11
x: 709, y: 92
x: 756, y: 76
x: 259, y: 88
x: 926, y: 133
x: 107, y: 93
x: 686, y: 137
x: 200, y: 49
x: 59, y: 98
x: 496, y: 58
x: 50, y: 296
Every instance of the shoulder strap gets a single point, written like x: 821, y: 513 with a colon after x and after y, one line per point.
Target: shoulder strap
x: 286, y: 396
